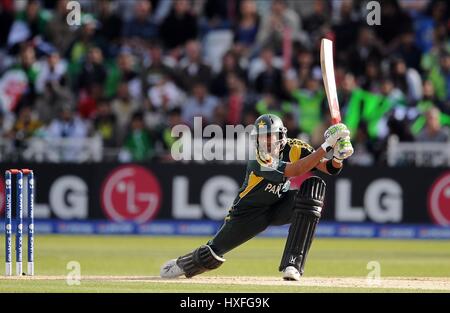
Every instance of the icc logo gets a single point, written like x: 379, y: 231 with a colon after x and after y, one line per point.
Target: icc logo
x: 439, y: 200
x: 131, y: 193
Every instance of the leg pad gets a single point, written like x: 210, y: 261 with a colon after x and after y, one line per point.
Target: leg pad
x: 307, y: 212
x: 200, y: 260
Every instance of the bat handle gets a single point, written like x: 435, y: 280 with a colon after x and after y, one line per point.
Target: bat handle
x: 335, y: 120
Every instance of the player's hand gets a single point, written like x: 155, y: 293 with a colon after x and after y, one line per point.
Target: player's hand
x: 333, y: 134
x: 343, y: 149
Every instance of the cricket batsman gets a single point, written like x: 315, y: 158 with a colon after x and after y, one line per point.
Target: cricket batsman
x: 265, y: 199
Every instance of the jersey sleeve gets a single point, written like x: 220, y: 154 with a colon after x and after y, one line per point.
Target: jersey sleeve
x: 298, y: 149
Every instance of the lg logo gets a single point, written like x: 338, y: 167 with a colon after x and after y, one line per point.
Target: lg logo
x: 216, y: 196
x: 131, y: 192
x: 439, y: 200
x: 382, y: 202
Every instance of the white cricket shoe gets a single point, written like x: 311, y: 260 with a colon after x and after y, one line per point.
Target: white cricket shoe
x: 291, y: 273
x: 170, y: 269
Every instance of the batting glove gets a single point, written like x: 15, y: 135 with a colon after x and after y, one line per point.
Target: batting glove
x: 343, y: 149
x: 333, y: 134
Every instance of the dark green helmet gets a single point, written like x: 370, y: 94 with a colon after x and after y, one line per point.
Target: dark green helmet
x: 269, y: 124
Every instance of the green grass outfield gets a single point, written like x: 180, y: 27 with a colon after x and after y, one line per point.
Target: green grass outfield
x: 131, y: 264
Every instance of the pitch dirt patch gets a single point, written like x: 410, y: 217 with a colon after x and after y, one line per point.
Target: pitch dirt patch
x: 413, y: 283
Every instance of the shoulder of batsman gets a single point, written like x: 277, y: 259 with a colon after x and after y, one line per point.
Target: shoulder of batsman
x: 291, y: 142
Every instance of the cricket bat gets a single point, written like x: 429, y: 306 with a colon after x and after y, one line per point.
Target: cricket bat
x: 329, y: 82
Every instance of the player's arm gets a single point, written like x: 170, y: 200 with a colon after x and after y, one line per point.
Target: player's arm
x: 306, y: 164
x: 330, y: 167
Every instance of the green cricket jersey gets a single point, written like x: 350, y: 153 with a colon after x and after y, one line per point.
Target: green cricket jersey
x: 264, y: 185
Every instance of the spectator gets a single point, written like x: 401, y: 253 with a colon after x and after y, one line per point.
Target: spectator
x: 141, y: 27
x: 238, y: 100
x: 110, y: 22
x: 290, y: 123
x: 105, y: 123
x: 395, y: 22
x: 138, y: 145
x: 440, y: 46
x: 165, y: 140
x: 34, y: 17
x: 25, y: 86
x: 407, y: 80
x: 247, y: 27
x: 275, y: 23
x: 440, y: 78
x: 29, y: 65
x: 59, y: 32
x: 200, y: 104
x: 156, y: 70
x: 218, y: 14
x: 123, y: 106
x: 439, y: 9
x: 165, y: 95
x: 180, y: 26
x: 86, y: 40
x: 124, y: 70
x: 93, y: 71
x: 346, y: 28
x: 391, y: 92
x: 269, y: 80
x: 305, y: 104
x: 430, y: 99
x: 52, y: 87
x: 88, y: 99
x: 52, y: 73
x: 230, y: 66
x: 433, y: 131
x: 371, y: 79
x: 367, y: 49
x: 67, y: 125
x: 346, y: 89
x: 24, y: 127
x: 408, y: 50
x: 398, y: 126
x: 29, y: 24
x: 304, y: 65
x: 192, y: 68
x: 91, y: 82
x: 66, y: 135
x: 319, y: 16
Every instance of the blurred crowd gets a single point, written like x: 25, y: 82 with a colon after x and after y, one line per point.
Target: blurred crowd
x: 133, y: 69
